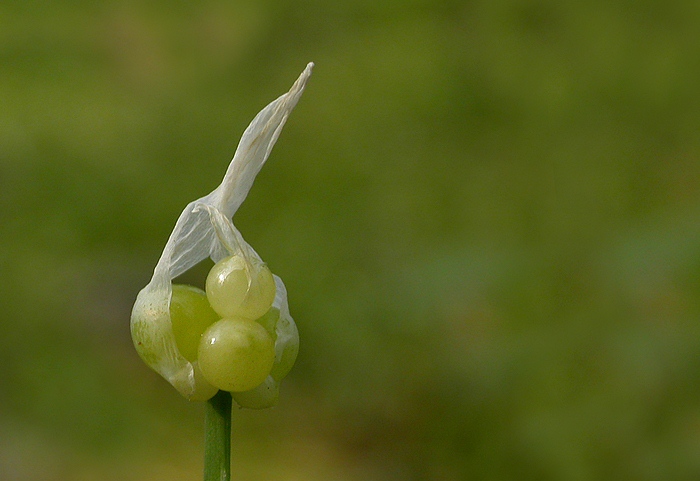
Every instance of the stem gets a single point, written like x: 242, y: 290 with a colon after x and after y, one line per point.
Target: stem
x: 217, y: 438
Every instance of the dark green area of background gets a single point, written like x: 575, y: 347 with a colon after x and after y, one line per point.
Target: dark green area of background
x: 487, y: 215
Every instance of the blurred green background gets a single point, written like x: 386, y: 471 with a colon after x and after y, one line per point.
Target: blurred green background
x: 487, y: 215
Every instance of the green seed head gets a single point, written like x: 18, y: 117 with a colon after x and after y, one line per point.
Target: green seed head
x: 179, y: 331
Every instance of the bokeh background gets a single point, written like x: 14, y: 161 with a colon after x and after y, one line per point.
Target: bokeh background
x: 487, y: 214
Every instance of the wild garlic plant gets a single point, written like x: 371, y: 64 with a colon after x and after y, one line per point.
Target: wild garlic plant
x: 237, y: 336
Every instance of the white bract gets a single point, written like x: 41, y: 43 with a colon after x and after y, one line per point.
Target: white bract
x: 205, y: 229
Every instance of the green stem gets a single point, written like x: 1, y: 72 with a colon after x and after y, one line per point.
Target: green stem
x: 217, y: 438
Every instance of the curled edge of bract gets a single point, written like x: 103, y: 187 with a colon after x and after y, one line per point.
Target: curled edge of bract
x: 195, y: 238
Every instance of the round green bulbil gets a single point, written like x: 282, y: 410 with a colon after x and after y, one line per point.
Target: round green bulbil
x: 236, y: 354
x: 237, y: 287
x: 190, y: 315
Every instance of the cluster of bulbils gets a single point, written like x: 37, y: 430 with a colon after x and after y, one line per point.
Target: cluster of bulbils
x: 237, y: 335
x: 233, y: 332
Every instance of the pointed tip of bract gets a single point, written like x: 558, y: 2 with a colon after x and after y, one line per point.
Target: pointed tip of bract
x: 303, y: 78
